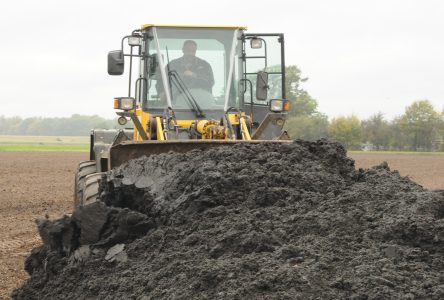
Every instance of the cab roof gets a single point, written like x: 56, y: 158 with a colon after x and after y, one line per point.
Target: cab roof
x: 145, y: 26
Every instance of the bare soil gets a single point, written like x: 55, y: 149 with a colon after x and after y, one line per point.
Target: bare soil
x: 37, y: 183
x: 32, y: 184
x: 426, y: 170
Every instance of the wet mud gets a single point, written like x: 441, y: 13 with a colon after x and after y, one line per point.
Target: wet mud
x: 246, y: 222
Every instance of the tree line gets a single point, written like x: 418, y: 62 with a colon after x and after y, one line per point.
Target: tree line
x: 420, y: 127
x: 76, y: 125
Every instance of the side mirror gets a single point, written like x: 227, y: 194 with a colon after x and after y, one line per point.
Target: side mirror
x: 262, y: 86
x: 116, y: 62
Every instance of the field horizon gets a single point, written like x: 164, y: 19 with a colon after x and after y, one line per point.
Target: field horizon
x: 23, y: 143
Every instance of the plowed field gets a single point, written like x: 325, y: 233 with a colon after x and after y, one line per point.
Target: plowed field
x: 33, y: 184
x: 427, y: 170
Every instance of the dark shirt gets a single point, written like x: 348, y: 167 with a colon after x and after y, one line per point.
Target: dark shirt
x: 202, y: 77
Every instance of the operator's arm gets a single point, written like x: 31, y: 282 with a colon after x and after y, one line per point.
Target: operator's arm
x: 204, y: 76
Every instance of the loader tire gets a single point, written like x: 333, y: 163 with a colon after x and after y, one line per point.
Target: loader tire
x: 85, y: 168
x: 91, y: 188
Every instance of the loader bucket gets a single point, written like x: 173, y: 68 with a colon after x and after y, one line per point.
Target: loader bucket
x: 128, y: 150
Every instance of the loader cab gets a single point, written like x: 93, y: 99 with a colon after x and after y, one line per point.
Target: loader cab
x: 247, y: 70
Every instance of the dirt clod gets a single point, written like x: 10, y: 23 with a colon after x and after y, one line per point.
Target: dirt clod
x: 246, y: 222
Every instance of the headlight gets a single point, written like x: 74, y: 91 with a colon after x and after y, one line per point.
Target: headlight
x: 256, y: 43
x: 278, y: 105
x: 134, y: 40
x: 125, y: 103
x: 122, y: 121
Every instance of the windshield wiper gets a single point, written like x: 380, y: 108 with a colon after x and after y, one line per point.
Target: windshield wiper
x: 180, y: 85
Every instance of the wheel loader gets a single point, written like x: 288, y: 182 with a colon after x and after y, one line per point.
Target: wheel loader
x: 240, y: 98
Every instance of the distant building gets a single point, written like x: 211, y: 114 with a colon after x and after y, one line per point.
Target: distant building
x: 368, y: 147
x: 438, y: 145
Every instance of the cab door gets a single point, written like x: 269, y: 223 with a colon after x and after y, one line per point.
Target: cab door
x: 270, y: 58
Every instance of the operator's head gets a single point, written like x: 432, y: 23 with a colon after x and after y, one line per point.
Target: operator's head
x: 189, y: 48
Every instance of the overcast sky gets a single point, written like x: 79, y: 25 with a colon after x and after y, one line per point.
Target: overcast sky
x: 361, y: 57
